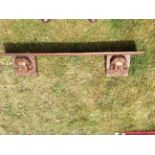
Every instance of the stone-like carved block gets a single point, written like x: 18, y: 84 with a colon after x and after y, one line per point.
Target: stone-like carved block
x: 117, y: 65
x: 25, y: 65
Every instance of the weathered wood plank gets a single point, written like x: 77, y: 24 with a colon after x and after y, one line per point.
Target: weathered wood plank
x: 75, y: 53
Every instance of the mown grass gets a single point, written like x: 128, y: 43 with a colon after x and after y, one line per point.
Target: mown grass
x: 71, y: 95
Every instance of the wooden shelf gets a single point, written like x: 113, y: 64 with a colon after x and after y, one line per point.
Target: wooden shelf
x: 75, y: 53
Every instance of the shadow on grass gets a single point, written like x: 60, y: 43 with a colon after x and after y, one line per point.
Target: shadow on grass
x: 58, y: 47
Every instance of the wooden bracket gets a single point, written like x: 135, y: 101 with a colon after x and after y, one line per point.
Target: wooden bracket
x: 117, y: 65
x: 25, y: 65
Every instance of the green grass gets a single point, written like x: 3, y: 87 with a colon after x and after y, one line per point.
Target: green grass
x: 71, y: 95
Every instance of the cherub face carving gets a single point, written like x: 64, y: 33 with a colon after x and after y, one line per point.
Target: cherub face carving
x: 118, y: 63
x: 23, y: 64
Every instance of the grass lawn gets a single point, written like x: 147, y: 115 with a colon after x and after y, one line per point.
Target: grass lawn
x: 71, y: 95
